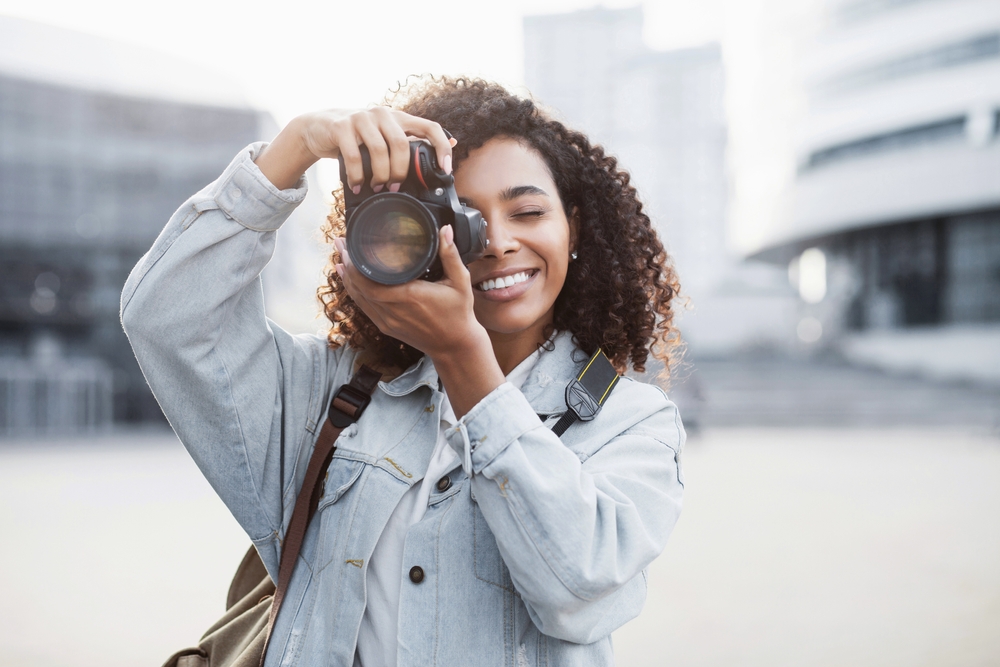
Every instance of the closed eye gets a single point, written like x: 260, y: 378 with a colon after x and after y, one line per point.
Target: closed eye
x: 529, y: 214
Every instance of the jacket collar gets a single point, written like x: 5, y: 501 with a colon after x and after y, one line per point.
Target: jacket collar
x: 420, y: 374
x: 545, y: 387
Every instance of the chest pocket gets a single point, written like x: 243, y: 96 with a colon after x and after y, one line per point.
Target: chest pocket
x: 340, y: 476
x: 489, y: 566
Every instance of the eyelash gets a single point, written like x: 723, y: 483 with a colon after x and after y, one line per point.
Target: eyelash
x: 533, y: 214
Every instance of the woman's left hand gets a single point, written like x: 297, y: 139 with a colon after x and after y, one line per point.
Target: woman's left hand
x: 437, y: 319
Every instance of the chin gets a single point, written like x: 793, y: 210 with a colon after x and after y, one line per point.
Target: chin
x: 512, y: 323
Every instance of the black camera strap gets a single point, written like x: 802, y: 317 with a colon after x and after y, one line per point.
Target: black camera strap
x: 587, y: 392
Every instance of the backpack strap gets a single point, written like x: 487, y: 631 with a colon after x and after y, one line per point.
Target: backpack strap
x: 587, y: 392
x: 346, y: 408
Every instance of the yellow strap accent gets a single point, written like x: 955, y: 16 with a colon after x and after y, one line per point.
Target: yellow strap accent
x: 580, y: 376
x: 604, y: 395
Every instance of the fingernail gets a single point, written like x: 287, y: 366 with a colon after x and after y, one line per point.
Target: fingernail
x: 340, y: 270
x: 394, y: 187
x: 377, y: 188
x: 447, y: 164
x: 356, y: 189
x: 448, y: 234
x: 453, y: 141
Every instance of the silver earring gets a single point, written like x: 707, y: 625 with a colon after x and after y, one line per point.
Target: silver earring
x: 572, y: 255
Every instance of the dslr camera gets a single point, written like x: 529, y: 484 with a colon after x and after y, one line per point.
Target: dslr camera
x: 393, y: 237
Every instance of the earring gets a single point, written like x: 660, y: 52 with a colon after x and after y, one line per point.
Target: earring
x: 572, y: 255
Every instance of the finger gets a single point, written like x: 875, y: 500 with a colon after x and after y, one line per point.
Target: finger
x: 428, y: 129
x: 371, y: 291
x: 359, y: 298
x: 350, y: 154
x: 454, y: 268
x: 370, y: 135
x: 399, y: 146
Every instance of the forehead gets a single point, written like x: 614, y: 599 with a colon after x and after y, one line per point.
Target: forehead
x: 499, y: 164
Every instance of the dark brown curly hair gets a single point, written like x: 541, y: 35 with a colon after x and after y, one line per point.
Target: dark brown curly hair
x: 618, y: 292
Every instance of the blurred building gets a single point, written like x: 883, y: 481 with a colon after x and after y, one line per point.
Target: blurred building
x: 662, y: 114
x: 99, y: 143
x: 896, y: 196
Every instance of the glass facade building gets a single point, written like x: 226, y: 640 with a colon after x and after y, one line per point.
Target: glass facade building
x: 898, y: 174
x: 88, y: 177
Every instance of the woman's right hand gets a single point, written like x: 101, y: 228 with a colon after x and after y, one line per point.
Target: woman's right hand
x: 337, y: 134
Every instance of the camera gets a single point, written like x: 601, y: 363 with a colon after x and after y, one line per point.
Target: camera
x: 393, y: 237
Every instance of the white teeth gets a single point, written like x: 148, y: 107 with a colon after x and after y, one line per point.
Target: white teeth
x: 507, y: 281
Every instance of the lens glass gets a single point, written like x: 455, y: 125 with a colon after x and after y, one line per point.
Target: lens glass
x: 395, y: 242
x: 393, y: 237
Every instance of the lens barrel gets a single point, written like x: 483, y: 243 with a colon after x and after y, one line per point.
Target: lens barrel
x: 392, y: 238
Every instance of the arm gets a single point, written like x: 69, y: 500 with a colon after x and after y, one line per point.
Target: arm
x: 242, y: 395
x: 575, y: 534
x: 232, y: 385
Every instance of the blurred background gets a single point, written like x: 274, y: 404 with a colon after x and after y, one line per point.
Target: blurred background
x: 825, y: 174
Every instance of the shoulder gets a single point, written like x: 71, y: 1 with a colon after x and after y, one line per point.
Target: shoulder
x: 634, y: 411
x: 642, y: 408
x: 308, y: 360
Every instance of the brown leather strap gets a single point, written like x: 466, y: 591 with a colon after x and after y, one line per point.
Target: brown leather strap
x: 344, y: 411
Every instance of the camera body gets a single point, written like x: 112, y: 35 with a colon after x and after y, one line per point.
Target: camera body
x: 394, y: 237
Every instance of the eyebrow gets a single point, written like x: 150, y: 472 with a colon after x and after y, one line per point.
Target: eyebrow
x: 512, y: 193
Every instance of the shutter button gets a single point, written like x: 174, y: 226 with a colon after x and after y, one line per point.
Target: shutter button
x: 444, y: 484
x: 416, y: 574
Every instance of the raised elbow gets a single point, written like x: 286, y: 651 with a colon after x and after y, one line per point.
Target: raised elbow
x: 587, y: 621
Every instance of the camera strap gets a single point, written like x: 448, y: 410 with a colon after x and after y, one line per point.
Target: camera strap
x: 587, y: 392
x: 346, y: 408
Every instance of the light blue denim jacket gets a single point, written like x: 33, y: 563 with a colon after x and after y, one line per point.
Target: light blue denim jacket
x: 533, y: 555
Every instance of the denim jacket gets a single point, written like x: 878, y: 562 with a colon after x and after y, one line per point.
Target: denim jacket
x: 532, y: 551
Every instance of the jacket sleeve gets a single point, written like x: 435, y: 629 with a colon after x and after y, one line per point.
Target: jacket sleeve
x: 575, y: 530
x: 193, y: 311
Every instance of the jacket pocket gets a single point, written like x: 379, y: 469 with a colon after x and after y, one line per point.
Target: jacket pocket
x: 488, y: 564
x: 340, y: 477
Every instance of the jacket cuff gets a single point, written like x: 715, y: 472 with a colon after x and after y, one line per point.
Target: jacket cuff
x: 502, y: 417
x: 244, y: 194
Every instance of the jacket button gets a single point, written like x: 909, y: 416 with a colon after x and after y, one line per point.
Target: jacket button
x: 444, y: 483
x: 416, y: 574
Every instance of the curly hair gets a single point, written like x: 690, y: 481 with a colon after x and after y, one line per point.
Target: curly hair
x: 618, y: 292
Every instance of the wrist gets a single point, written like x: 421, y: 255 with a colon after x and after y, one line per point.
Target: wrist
x: 469, y: 372
x: 287, y: 157
x: 474, y: 350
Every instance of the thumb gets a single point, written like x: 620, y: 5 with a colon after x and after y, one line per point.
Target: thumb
x: 451, y: 260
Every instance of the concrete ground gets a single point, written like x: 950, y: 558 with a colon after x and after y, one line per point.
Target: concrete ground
x: 797, y: 546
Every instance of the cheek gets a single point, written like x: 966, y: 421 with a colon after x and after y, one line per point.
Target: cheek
x: 558, y: 255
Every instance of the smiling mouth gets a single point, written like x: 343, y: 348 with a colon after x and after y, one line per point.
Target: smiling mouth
x: 506, y: 281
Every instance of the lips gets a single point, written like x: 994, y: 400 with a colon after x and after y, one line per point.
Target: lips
x: 497, y: 289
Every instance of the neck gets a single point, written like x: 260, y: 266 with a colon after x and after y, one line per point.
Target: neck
x: 511, y: 349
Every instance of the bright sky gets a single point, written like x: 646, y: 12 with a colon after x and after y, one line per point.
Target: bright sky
x: 303, y: 55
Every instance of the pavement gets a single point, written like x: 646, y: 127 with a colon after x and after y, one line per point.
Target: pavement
x: 832, y: 517
x: 828, y: 548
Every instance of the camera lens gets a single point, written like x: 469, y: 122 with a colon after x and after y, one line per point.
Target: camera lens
x: 392, y: 238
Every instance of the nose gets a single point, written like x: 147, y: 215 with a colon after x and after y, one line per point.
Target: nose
x: 500, y: 237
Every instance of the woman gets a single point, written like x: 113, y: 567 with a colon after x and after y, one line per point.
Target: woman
x: 455, y: 528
